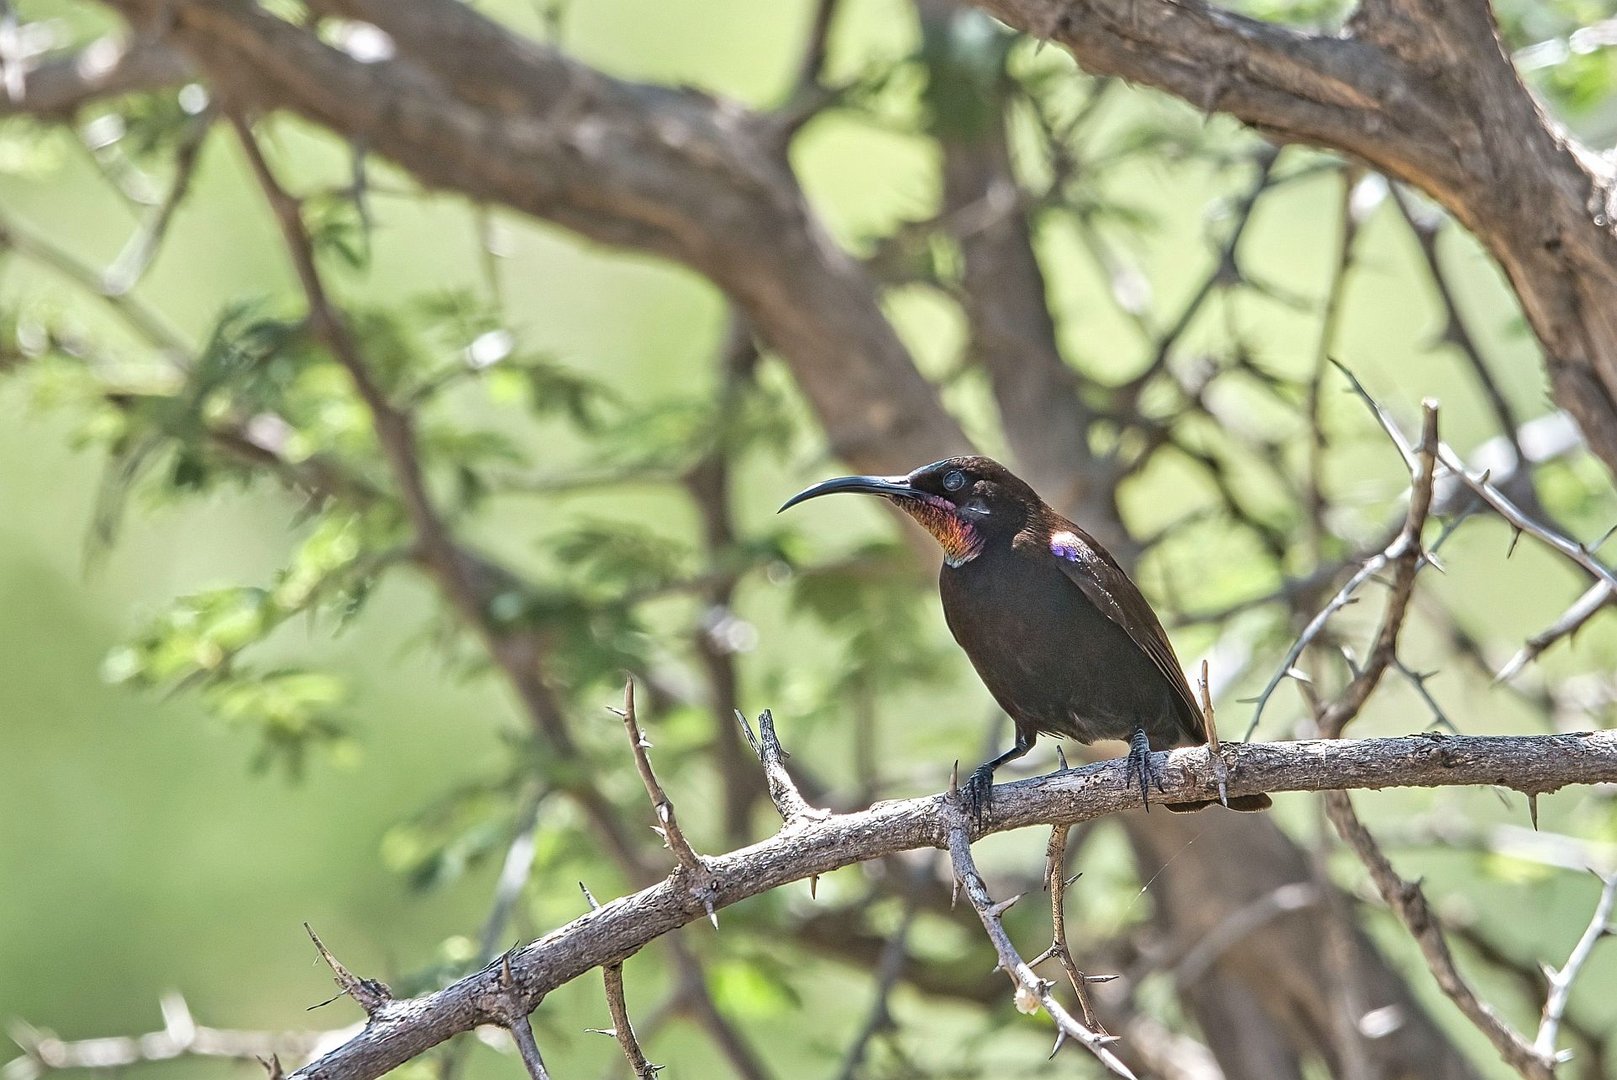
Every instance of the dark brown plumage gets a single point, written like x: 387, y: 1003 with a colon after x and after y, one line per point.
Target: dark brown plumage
x: 1056, y: 630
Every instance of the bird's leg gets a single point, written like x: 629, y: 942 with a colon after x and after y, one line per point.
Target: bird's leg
x: 978, y: 792
x: 1141, y: 767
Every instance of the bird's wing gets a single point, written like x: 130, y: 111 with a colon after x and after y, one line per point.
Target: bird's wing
x: 1092, y: 568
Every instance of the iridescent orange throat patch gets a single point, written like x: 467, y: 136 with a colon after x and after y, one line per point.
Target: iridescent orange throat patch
x: 960, y: 539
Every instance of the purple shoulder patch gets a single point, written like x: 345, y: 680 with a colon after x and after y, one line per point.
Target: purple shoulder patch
x: 1066, y: 545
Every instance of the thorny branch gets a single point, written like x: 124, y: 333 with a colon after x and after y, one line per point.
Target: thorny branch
x: 1408, y: 902
x: 1055, y: 883
x: 1592, y: 1039
x: 793, y: 808
x: 622, y: 1029
x: 1406, y: 556
x: 1561, y: 980
x: 617, y: 1004
x: 690, y: 863
x: 1584, y: 608
x: 1534, y: 1060
x: 1031, y: 992
x: 1404, y: 553
x: 1523, y: 522
x: 368, y: 993
x: 1531, y: 763
x: 1253, y: 85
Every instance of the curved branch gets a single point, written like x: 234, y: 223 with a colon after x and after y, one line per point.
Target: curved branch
x: 1423, y: 91
x: 107, y: 67
x: 471, y: 107
x: 400, y: 1030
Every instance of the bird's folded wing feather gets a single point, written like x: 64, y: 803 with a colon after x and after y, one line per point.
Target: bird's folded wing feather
x: 1092, y: 568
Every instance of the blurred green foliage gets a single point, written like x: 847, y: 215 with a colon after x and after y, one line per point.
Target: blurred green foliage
x: 327, y: 743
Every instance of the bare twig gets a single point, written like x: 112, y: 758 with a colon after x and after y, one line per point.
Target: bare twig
x: 1408, y: 902
x: 1056, y: 882
x: 1344, y: 596
x: 667, y: 823
x: 794, y: 809
x: 617, y: 1004
x: 1210, y: 726
x: 1406, y: 556
x: 690, y: 863
x: 622, y: 1029
x: 1561, y: 980
x: 1523, y: 522
x: 181, y: 1036
x: 1571, y: 621
x: 369, y: 993
x: 528, y: 1048
x: 1031, y: 992
x: 1593, y: 1039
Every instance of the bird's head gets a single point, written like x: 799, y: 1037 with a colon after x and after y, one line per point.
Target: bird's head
x: 965, y: 502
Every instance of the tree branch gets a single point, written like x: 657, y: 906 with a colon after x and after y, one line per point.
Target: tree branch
x: 1032, y: 992
x: 691, y: 865
x: 1555, y: 1002
x: 472, y: 107
x: 402, y: 1029
x: 1424, y: 92
x: 105, y: 68
x: 181, y: 1036
x: 1408, y: 902
x: 793, y: 808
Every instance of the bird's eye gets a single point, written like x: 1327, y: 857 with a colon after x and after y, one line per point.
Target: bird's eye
x: 954, y: 480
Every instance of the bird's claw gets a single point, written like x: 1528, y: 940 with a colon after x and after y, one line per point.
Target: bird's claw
x: 1142, y: 768
x: 977, y: 794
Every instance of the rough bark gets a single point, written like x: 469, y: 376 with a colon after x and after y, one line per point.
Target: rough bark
x: 401, y: 1029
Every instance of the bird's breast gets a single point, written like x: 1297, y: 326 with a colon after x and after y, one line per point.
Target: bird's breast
x: 1051, y: 659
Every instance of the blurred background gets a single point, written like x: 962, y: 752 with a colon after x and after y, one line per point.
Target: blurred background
x: 229, y: 706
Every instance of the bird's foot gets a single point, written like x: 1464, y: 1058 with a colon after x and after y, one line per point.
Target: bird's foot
x: 977, y: 794
x: 1142, y: 768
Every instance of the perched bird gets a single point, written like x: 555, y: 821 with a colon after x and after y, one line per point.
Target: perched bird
x: 1056, y: 630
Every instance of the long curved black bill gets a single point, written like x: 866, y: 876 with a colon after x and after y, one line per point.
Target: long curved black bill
x: 897, y: 487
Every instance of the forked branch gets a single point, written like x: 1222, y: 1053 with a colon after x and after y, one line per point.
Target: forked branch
x: 1032, y: 993
x: 1528, y: 763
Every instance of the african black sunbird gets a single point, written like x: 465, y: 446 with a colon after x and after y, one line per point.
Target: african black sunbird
x: 1058, y: 633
